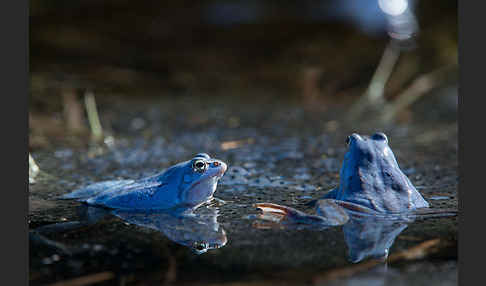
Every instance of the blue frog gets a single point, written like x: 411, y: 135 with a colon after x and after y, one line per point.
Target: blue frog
x: 374, y: 200
x: 370, y: 177
x: 185, y: 185
x: 371, y: 182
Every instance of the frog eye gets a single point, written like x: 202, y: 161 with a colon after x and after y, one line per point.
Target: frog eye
x: 380, y: 136
x: 199, y: 166
x: 348, y: 140
x: 200, y: 245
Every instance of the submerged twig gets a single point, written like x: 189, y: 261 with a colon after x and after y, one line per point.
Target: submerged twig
x: 418, y: 251
x: 87, y: 279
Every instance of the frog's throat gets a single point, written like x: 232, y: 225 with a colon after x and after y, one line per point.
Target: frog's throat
x: 206, y: 178
x: 196, y: 193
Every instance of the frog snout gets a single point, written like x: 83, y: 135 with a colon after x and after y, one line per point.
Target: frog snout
x: 220, y: 167
x: 223, y: 167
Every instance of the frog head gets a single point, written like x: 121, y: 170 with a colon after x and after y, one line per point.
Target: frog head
x: 199, y: 179
x: 370, y: 176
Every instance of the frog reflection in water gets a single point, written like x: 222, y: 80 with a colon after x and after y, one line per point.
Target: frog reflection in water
x: 371, y: 184
x: 199, y: 231
x: 186, y: 185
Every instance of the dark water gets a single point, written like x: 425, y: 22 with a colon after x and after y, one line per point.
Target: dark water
x: 278, y: 152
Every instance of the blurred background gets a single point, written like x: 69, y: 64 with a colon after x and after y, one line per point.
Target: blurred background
x: 318, y: 53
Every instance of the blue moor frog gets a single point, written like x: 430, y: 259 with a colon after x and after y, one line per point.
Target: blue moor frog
x: 372, y: 201
x: 185, y: 185
x: 370, y: 182
x: 370, y: 177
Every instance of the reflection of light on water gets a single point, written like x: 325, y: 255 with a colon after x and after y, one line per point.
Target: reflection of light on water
x: 393, y: 7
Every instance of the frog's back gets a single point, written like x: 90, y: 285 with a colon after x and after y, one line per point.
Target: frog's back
x: 96, y: 189
x: 144, y: 195
x: 156, y: 192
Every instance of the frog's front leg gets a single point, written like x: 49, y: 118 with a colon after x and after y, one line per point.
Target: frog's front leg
x: 283, y: 214
x: 337, y: 209
x: 215, y: 202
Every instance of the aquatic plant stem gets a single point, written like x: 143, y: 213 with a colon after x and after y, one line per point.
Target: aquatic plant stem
x: 374, y: 94
x: 419, y: 87
x: 94, y: 120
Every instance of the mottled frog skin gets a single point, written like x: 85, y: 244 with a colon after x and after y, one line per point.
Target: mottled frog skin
x: 370, y: 177
x: 185, y: 185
